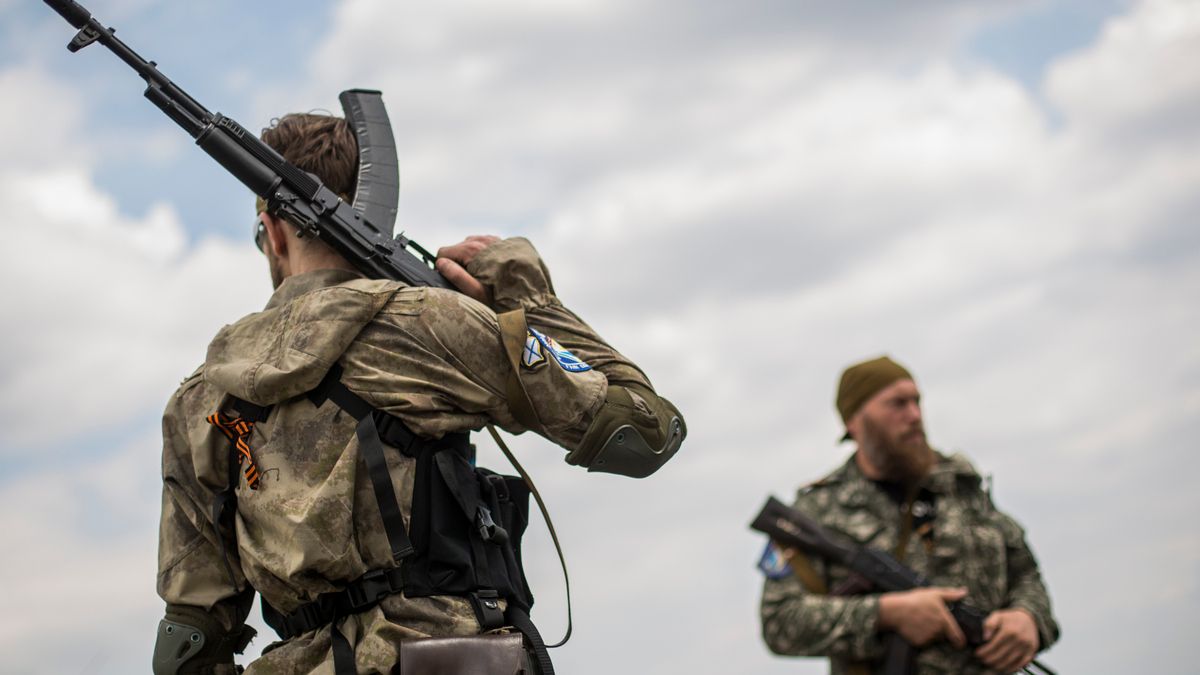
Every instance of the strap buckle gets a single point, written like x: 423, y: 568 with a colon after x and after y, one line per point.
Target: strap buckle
x: 370, y: 588
x: 489, y: 531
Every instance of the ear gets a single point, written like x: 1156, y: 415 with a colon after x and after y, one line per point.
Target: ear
x: 854, y: 425
x: 276, y: 234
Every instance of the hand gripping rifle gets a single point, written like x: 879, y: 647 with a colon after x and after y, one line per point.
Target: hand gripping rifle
x: 791, y: 528
x: 361, y: 233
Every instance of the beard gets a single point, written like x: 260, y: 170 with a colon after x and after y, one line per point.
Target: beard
x: 905, y: 457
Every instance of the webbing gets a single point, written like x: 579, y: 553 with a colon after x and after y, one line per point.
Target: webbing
x: 371, y: 446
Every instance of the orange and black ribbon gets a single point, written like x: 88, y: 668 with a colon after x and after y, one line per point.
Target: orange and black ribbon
x: 238, y: 431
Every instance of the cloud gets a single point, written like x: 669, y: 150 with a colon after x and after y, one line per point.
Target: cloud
x: 744, y: 199
x: 1130, y: 86
x: 85, y: 533
x: 108, y: 305
x: 102, y: 303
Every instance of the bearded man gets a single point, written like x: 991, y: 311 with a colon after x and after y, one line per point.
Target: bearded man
x: 898, y: 494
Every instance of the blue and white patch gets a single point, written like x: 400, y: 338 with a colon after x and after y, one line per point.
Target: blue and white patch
x: 773, y: 564
x: 564, y: 358
x: 533, y: 355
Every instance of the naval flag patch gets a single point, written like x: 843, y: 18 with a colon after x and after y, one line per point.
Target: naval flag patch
x: 533, y: 355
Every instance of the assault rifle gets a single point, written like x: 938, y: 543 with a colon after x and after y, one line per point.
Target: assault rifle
x: 791, y: 528
x: 361, y: 233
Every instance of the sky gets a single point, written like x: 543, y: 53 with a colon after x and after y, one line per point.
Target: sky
x: 743, y: 197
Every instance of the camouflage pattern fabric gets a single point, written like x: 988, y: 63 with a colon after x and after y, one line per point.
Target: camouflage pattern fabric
x: 432, y: 357
x: 971, y: 545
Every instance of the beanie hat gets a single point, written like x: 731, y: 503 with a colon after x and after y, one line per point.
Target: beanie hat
x: 863, y: 380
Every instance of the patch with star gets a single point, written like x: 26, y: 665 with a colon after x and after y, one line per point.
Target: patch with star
x: 568, y: 361
x: 773, y: 564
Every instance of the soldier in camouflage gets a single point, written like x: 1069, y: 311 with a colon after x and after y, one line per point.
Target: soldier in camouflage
x: 433, y: 358
x: 896, y: 493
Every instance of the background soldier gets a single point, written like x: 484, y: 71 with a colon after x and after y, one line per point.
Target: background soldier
x: 311, y: 518
x: 896, y: 493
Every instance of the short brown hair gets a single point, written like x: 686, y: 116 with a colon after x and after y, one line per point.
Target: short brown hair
x: 320, y: 144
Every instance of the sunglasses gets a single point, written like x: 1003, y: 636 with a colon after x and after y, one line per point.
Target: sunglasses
x: 260, y: 234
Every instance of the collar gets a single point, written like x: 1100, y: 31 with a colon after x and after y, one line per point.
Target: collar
x: 949, y: 470
x: 299, y: 284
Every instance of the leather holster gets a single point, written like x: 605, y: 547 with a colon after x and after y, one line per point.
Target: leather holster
x: 479, y: 654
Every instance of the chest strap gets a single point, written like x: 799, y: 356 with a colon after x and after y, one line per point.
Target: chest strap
x: 358, y: 596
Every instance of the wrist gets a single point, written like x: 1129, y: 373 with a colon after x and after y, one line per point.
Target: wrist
x: 889, y: 604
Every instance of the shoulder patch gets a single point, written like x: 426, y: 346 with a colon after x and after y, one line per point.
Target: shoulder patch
x: 568, y: 361
x: 773, y: 564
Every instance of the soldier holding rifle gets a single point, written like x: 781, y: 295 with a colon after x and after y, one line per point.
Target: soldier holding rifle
x: 928, y: 510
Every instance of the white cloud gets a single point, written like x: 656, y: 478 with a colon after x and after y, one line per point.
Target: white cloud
x: 102, y: 305
x: 34, y: 137
x: 109, y: 311
x: 79, y: 582
x: 1132, y: 82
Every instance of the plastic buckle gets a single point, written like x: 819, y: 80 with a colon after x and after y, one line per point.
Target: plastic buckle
x: 488, y: 529
x: 367, y: 590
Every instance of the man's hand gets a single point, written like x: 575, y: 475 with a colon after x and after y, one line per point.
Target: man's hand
x: 920, y: 616
x: 452, y: 262
x: 1010, y: 640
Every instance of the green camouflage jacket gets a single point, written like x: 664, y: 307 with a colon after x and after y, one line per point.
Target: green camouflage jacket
x: 972, y: 545
x: 432, y: 357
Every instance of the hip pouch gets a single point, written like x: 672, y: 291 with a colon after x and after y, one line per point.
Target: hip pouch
x: 478, y: 655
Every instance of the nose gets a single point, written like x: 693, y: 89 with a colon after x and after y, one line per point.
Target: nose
x: 913, y: 411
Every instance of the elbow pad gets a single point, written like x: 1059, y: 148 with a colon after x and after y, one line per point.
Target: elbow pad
x: 633, y: 434
x: 190, y: 640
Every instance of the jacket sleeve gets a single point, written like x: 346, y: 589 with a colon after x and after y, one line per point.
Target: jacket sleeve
x: 191, y: 570
x: 1025, y: 587
x: 796, y: 621
x: 516, y: 278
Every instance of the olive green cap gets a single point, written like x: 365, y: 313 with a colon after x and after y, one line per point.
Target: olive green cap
x: 863, y: 380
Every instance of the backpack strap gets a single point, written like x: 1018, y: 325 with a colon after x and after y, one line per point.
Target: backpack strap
x: 370, y: 445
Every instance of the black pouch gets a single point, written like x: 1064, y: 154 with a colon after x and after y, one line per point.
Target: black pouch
x: 466, y: 528
x: 478, y: 655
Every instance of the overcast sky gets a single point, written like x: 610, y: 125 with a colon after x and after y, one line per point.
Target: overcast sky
x: 743, y: 197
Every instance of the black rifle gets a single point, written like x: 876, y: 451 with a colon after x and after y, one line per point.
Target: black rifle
x: 361, y: 233
x: 791, y: 528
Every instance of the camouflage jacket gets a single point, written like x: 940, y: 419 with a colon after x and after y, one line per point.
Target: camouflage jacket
x: 432, y: 357
x: 971, y: 545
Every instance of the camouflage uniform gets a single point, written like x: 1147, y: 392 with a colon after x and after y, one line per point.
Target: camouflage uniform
x: 435, y: 359
x: 971, y: 545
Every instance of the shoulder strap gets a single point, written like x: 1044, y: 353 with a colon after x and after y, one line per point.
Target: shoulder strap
x: 513, y: 333
x: 371, y: 445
